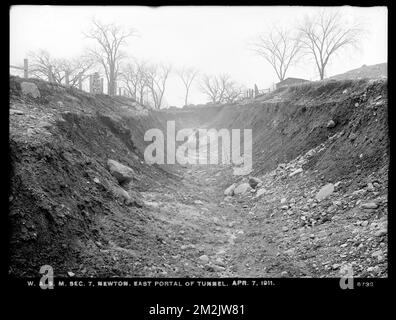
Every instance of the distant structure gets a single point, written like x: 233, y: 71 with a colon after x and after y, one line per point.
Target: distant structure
x: 289, y: 82
x: 256, y: 90
x: 95, y: 83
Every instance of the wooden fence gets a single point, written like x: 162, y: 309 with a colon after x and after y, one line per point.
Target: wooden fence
x: 25, y: 68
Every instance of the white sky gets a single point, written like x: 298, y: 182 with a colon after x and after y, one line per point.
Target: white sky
x: 212, y: 39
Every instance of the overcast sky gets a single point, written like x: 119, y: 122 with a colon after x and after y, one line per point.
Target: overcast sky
x: 212, y: 39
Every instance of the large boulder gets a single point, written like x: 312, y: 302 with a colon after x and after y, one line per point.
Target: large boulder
x: 325, y: 192
x: 242, y: 188
x: 230, y: 190
x: 253, y: 182
x: 30, y: 88
x: 122, y: 173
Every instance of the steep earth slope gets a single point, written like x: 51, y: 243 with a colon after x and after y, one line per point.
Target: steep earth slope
x: 68, y: 210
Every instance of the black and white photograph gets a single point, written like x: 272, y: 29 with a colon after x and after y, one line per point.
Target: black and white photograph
x: 206, y: 143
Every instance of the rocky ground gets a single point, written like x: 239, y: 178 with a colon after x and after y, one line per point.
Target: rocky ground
x: 83, y: 200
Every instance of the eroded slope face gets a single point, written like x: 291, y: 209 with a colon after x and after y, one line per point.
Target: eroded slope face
x: 61, y: 188
x: 69, y: 210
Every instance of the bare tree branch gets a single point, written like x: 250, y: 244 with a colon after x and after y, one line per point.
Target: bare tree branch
x: 109, y: 38
x: 280, y: 48
x: 324, y: 34
x: 187, y: 75
x: 220, y: 89
x: 43, y: 66
x: 157, y: 76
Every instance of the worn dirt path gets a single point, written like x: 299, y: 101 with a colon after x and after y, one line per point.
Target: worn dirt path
x: 206, y: 226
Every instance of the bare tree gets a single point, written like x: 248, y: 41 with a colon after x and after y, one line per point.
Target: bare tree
x: 156, y: 77
x: 109, y: 38
x: 233, y: 92
x: 280, y: 48
x: 43, y: 66
x: 129, y: 76
x: 210, y: 87
x: 326, y: 33
x: 187, y: 75
x: 143, y: 80
x: 215, y: 87
x: 135, y: 77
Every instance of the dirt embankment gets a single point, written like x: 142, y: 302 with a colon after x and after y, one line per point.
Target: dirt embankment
x: 61, y: 188
x: 67, y: 210
x: 300, y: 119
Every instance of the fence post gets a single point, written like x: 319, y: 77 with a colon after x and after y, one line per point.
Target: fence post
x: 101, y: 85
x: 25, y: 68
x: 79, y: 82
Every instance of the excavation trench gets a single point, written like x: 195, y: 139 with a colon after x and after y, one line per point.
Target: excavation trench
x: 172, y: 220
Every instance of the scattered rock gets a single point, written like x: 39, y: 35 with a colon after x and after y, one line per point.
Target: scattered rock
x: 204, y: 258
x: 352, y: 136
x: 337, y: 184
x: 373, y: 269
x: 260, y: 192
x: 120, y: 192
x: 242, y: 188
x: 290, y: 251
x: 378, y: 254
x: 369, y: 205
x: 70, y: 274
x: 381, y: 232
x: 218, y: 268
x: 30, y: 88
x: 330, y: 124
x: 335, y: 266
x: 295, y: 172
x: 253, y: 182
x: 370, y: 187
x: 230, y: 190
x: 123, y: 174
x: 219, y: 262
x: 325, y: 192
x: 283, y: 200
x: 15, y: 111
x: 284, y: 229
